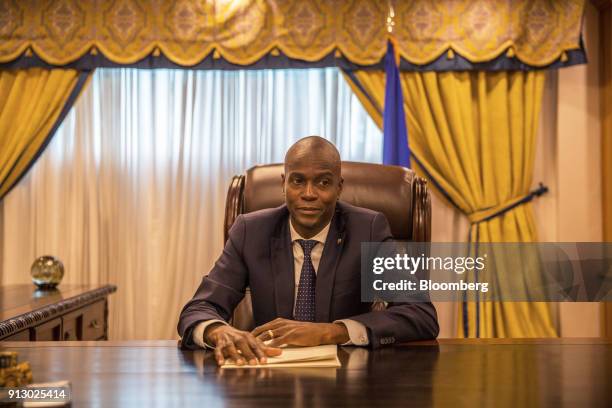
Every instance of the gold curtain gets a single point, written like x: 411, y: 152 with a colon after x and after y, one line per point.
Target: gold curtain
x: 31, y: 103
x: 537, y: 32
x: 475, y: 134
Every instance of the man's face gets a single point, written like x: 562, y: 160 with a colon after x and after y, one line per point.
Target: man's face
x: 312, y: 186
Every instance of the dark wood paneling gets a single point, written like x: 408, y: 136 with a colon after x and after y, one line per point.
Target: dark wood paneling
x: 94, y: 322
x: 51, y: 330
x: 602, y: 4
x: 23, y: 335
x: 605, y: 74
x: 23, y: 307
x: 72, y: 325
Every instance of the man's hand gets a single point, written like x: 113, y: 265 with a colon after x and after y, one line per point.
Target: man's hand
x: 241, y: 346
x: 295, y: 333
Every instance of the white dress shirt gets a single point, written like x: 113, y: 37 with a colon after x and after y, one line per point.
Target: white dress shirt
x: 357, y: 332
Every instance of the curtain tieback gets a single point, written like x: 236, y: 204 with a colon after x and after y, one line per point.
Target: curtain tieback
x: 495, y: 211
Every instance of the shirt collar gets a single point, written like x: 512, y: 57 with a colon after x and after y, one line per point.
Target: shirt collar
x: 320, y: 237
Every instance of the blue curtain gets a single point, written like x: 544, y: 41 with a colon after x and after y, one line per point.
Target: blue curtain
x: 395, y: 145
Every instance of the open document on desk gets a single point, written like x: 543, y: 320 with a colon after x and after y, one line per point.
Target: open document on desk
x: 316, y: 356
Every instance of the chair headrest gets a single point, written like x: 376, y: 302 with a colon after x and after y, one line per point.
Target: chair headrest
x: 387, y: 189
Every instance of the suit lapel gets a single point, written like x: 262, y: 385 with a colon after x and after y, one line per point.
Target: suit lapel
x: 327, y: 267
x: 282, y: 266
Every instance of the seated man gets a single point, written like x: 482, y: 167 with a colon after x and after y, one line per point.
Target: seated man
x: 302, y: 263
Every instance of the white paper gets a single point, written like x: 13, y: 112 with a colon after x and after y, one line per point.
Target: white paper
x: 315, y: 356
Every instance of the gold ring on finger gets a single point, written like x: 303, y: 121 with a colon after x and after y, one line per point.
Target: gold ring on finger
x: 271, y: 333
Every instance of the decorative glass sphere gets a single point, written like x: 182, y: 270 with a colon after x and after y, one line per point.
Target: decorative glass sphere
x: 47, y: 272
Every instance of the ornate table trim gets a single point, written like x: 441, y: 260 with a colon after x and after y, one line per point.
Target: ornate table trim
x: 30, y: 319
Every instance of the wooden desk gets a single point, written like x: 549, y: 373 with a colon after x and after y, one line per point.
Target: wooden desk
x: 457, y: 373
x: 70, y: 312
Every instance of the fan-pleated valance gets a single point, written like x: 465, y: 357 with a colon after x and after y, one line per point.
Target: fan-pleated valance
x: 185, y: 32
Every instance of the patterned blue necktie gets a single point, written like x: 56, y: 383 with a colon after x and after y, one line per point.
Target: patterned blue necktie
x: 305, y: 303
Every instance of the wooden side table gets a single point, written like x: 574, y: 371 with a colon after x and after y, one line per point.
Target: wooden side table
x: 70, y: 312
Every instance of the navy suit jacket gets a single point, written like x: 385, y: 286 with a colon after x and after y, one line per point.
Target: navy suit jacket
x: 258, y: 254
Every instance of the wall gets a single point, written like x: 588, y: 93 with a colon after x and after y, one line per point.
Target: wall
x: 579, y: 211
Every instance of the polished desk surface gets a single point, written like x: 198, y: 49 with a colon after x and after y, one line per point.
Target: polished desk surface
x: 517, y: 373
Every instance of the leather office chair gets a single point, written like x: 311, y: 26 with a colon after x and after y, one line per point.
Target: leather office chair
x: 395, y: 191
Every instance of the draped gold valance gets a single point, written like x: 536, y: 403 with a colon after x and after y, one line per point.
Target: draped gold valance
x: 537, y: 32
x: 59, y: 32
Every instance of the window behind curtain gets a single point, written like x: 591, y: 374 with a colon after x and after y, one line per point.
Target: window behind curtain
x: 131, y: 190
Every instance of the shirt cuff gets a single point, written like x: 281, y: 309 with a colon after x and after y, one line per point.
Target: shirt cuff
x: 198, y: 333
x: 358, y: 333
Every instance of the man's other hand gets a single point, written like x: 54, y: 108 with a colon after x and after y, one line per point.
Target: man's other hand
x: 241, y: 346
x: 296, y: 333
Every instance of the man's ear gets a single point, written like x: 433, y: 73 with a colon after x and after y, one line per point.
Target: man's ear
x: 340, y: 184
x: 283, y: 182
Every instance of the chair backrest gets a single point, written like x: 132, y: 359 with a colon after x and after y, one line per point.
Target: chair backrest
x: 394, y: 191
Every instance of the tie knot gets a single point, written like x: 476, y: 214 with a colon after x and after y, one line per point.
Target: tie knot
x: 307, y: 245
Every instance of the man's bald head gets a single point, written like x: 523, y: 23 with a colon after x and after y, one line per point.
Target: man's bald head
x: 314, y: 148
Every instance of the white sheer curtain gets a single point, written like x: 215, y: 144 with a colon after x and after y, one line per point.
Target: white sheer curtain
x: 132, y: 188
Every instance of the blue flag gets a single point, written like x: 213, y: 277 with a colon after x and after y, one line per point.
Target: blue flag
x: 395, y: 140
